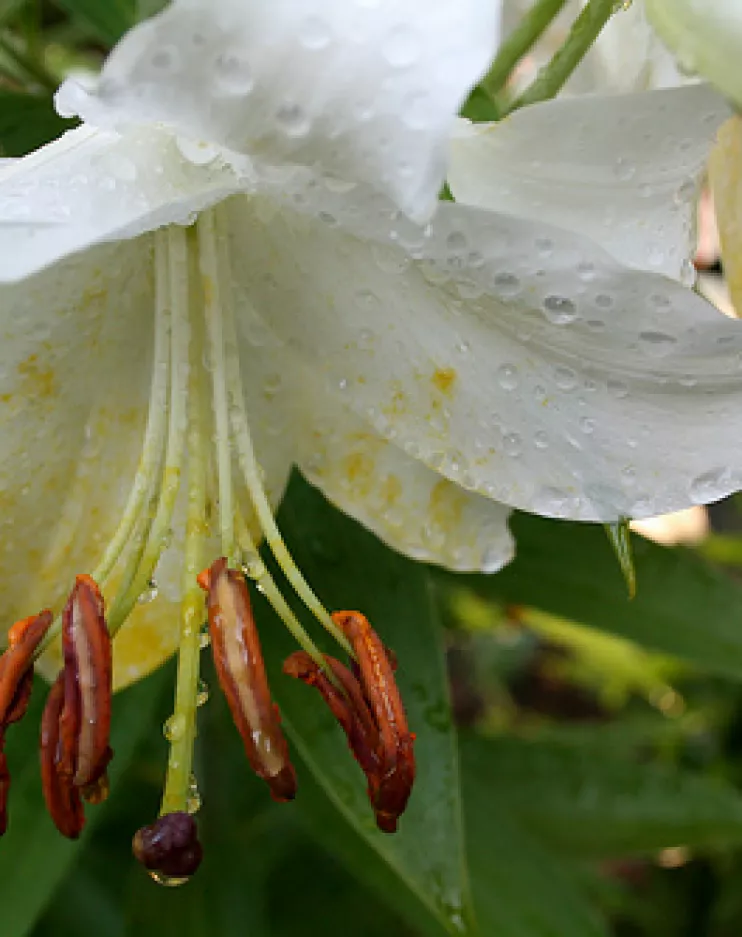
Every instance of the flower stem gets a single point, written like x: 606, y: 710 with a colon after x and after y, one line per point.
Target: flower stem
x: 552, y: 77
x: 522, y: 38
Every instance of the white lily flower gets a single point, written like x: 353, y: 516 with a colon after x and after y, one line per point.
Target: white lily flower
x: 427, y: 378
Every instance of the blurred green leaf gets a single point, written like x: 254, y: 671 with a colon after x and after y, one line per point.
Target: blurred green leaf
x: 33, y: 856
x: 521, y: 889
x: 107, y: 19
x: 350, y: 568
x: 683, y: 605
x: 26, y: 122
x: 590, y: 801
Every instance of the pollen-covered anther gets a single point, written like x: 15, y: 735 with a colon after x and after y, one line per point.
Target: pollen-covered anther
x: 241, y: 671
x: 16, y: 682
x: 77, y: 718
x: 370, y: 712
x: 391, y: 788
x: 169, y: 847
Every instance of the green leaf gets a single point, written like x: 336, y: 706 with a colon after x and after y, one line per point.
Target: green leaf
x: 350, y: 568
x: 683, y: 606
x: 33, y: 856
x: 27, y: 122
x: 107, y: 19
x: 590, y: 801
x: 521, y: 889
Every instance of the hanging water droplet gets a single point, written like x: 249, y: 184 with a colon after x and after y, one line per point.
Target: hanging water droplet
x: 193, y: 796
x: 559, y: 310
x: 174, y: 727
x: 688, y: 274
x: 204, y: 640
x: 150, y: 593
x: 202, y: 694
x: 293, y: 120
x: 167, y: 881
x: 253, y: 567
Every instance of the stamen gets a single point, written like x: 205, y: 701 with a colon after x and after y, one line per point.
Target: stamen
x: 169, y: 849
x: 141, y: 565
x: 248, y: 461
x: 241, y: 671
x: 62, y: 797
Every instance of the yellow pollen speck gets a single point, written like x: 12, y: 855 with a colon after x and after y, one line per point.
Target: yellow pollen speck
x: 38, y: 382
x: 358, y: 467
x: 391, y: 489
x: 444, y: 379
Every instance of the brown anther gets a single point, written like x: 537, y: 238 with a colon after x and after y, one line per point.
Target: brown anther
x: 349, y: 706
x: 391, y: 787
x: 86, y: 717
x: 170, y: 846
x: 241, y: 672
x: 16, y: 682
x: 62, y: 797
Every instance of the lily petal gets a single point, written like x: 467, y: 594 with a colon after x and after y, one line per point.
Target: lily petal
x: 412, y: 508
x: 93, y: 186
x: 624, y: 170
x: 364, y: 91
x: 555, y: 381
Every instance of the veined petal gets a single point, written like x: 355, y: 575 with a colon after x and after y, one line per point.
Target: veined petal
x: 364, y: 91
x: 623, y: 170
x: 412, y: 508
x: 92, y: 186
x: 555, y: 381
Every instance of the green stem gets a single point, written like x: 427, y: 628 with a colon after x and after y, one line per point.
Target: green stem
x: 523, y: 37
x: 552, y: 77
x: 33, y: 69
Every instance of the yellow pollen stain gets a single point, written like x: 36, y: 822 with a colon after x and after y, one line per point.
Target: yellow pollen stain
x: 391, y: 489
x: 358, y: 467
x: 446, y: 505
x: 37, y: 382
x: 444, y: 379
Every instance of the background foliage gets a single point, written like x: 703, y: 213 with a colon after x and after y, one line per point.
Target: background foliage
x: 579, y: 763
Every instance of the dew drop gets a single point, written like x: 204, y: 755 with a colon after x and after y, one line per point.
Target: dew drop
x: 234, y: 75
x: 150, y: 593
x: 586, y: 271
x: 167, y: 881
x: 507, y: 285
x: 293, y: 120
x: 656, y: 344
x: 204, y: 640
x: 174, y: 728
x: 457, y: 242
x: 618, y: 389
x: 540, y: 440
x: 565, y: 378
x: 559, y: 310
x: 193, y: 796
x: 253, y: 567
x: 710, y: 486
x: 202, y: 694
x: 688, y: 274
x: 512, y: 444
x: 587, y: 425
x: 507, y: 377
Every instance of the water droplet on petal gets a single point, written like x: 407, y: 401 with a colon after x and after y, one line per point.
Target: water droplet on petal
x: 507, y: 376
x: 559, y: 310
x: 710, y: 486
x: 656, y: 344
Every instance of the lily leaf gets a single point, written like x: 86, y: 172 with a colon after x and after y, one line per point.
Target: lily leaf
x: 684, y: 606
x: 109, y: 20
x: 33, y: 856
x: 589, y: 801
x: 350, y: 568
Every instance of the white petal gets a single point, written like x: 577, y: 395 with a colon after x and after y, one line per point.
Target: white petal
x: 552, y: 380
x: 705, y: 37
x: 623, y: 170
x: 406, y: 504
x: 92, y: 186
x: 75, y: 359
x: 365, y: 91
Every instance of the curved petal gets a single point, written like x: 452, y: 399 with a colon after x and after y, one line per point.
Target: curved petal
x: 412, y: 508
x: 75, y: 362
x: 364, y: 91
x: 705, y: 37
x: 552, y: 380
x: 725, y: 178
x: 93, y: 186
x: 623, y: 170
